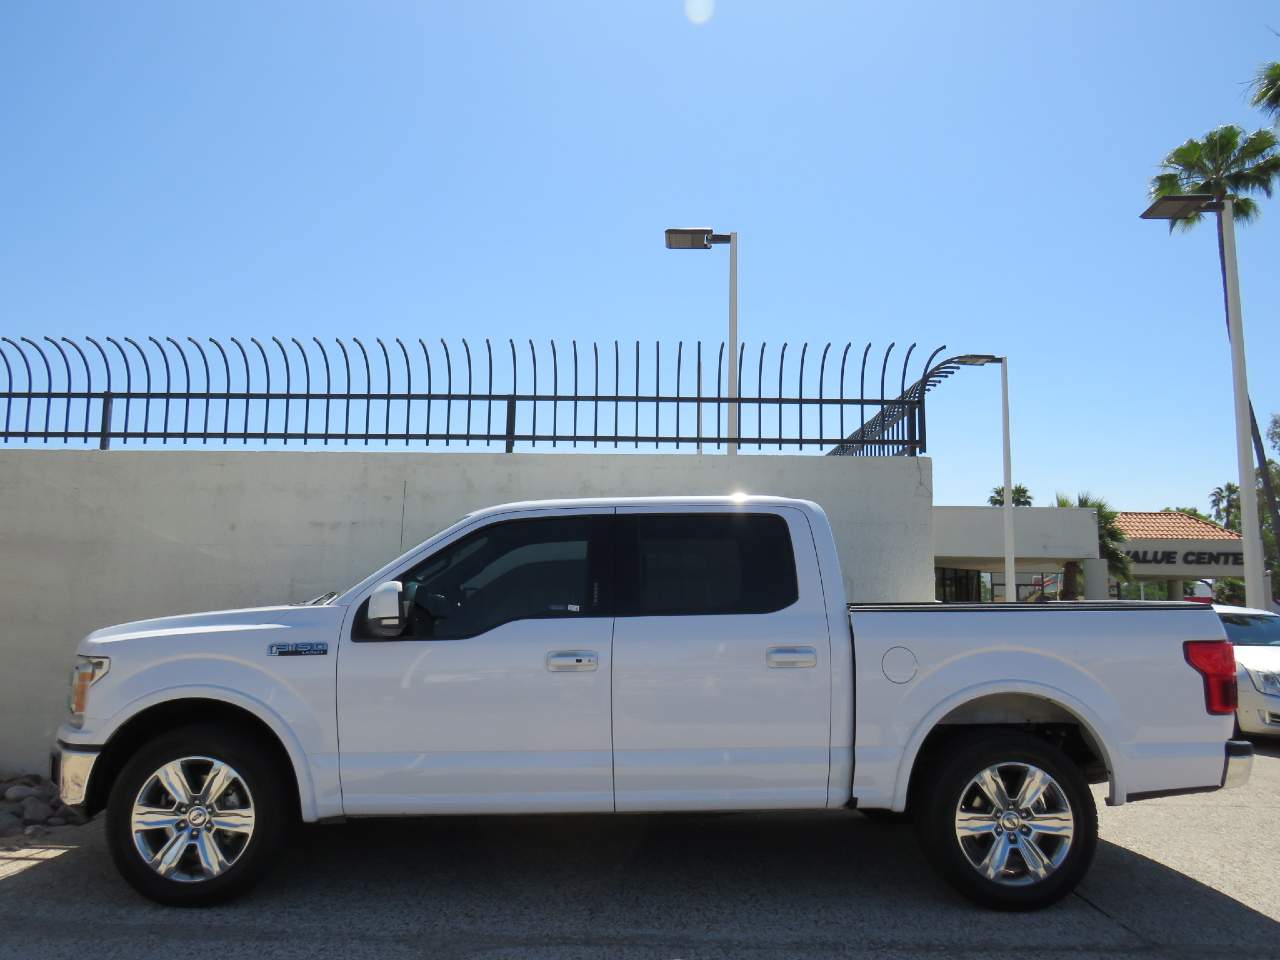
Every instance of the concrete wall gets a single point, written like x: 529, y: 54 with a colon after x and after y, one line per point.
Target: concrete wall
x: 973, y: 537
x: 92, y: 538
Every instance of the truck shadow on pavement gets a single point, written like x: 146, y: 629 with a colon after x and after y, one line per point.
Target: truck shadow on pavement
x: 666, y: 885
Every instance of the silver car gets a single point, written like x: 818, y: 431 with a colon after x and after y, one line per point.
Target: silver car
x: 1255, y: 634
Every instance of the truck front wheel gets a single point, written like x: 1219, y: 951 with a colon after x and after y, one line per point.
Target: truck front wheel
x: 1008, y: 820
x: 195, y: 816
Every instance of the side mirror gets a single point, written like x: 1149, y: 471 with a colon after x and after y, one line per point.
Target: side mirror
x: 384, y: 604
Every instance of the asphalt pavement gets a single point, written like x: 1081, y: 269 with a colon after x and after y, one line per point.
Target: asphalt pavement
x: 1182, y: 877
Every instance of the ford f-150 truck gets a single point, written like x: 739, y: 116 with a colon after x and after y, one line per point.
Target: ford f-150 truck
x: 661, y: 654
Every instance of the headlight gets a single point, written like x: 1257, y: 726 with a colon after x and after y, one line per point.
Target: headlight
x: 1266, y: 682
x: 87, y: 672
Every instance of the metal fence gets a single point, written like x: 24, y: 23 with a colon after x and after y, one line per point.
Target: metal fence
x: 87, y: 392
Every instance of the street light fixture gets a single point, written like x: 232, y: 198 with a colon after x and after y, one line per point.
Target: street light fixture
x: 1006, y: 509
x: 703, y: 238
x: 1179, y: 208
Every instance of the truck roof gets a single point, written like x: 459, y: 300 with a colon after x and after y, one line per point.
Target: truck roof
x: 732, y: 499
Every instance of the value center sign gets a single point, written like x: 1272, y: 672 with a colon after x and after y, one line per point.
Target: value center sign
x: 1185, y: 559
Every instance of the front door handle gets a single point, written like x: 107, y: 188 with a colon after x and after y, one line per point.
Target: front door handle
x: 781, y: 657
x: 562, y: 661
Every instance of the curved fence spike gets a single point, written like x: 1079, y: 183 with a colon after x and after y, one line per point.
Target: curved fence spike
x: 408, y: 387
x: 164, y: 431
x: 368, y: 388
x: 555, y: 391
x: 679, y: 360
x: 306, y: 402
x: 8, y: 391
x: 26, y: 425
x: 427, y: 356
x: 226, y: 377
x: 146, y: 404
x: 266, y: 406
x: 208, y: 388
x: 511, y: 403
x: 186, y: 389
x: 448, y: 404
x: 48, y: 380
x: 902, y: 383
x: 346, y: 406
x: 328, y: 386
x: 88, y: 386
x: 719, y: 367
x: 128, y: 386
x: 466, y: 347
x: 488, y: 407
x: 288, y: 388
x: 66, y: 364
x: 244, y: 358
x: 386, y: 362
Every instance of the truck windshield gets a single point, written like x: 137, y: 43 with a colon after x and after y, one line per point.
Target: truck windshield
x: 1252, y: 629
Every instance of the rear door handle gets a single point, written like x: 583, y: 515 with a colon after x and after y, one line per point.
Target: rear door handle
x: 780, y: 657
x: 563, y: 661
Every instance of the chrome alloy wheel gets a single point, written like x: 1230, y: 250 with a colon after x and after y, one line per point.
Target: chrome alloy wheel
x: 1014, y: 824
x: 192, y: 819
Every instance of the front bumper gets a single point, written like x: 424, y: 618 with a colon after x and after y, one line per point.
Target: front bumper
x: 70, y: 768
x: 1235, y: 773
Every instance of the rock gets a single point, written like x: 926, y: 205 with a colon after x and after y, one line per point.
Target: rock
x: 47, y: 791
x: 35, y: 810
x: 9, y: 825
x: 35, y: 830
x: 11, y: 806
x: 55, y: 822
x: 19, y: 791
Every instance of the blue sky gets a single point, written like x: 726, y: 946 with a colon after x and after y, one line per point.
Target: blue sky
x: 967, y: 174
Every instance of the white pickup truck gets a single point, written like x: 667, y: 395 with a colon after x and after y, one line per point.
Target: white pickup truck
x: 660, y: 654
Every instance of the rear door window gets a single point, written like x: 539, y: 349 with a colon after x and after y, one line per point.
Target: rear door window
x: 691, y: 564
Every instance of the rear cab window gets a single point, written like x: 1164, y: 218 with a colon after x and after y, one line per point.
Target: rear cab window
x: 699, y: 564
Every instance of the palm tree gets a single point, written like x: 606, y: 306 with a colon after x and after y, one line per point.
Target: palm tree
x: 1266, y: 89
x: 1021, y: 496
x: 1225, y: 503
x: 1110, y: 537
x: 1228, y: 164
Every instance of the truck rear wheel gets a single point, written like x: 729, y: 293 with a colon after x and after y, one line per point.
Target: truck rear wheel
x: 1008, y: 820
x: 195, y: 816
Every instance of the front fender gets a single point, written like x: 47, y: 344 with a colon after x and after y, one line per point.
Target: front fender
x: 294, y: 701
x: 307, y: 788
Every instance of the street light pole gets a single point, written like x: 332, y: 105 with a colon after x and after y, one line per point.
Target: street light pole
x: 1010, y: 575
x: 1178, y: 207
x: 703, y: 238
x: 1254, y: 578
x: 732, y: 447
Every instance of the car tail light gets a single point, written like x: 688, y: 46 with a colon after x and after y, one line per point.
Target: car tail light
x: 1215, y: 661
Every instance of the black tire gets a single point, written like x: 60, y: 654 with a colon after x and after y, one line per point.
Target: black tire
x: 946, y: 783
x: 250, y: 859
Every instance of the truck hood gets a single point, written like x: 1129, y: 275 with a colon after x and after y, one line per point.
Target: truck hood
x: 214, y: 622
x: 1259, y: 658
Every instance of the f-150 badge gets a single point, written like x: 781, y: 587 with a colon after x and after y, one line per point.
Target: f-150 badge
x: 298, y: 650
